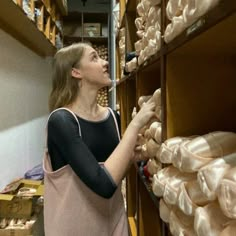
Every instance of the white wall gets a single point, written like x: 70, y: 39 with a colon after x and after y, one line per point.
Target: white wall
x: 25, y: 80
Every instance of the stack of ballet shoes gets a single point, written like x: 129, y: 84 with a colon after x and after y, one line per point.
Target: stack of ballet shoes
x: 150, y: 135
x: 122, y: 49
x: 191, y: 155
x: 213, y: 179
x: 182, y: 13
x: 148, y: 27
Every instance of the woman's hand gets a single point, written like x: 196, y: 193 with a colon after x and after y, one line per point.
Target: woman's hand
x: 144, y: 115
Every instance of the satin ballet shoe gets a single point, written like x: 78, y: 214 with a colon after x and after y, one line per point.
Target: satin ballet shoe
x: 166, y: 150
x: 157, y: 97
x: 151, y: 33
x: 193, y: 155
x: 227, y: 193
x: 140, y: 34
x: 197, y: 8
x: 151, y: 49
x: 173, y: 9
x: 138, y: 46
x: 146, y: 6
x: 190, y: 197
x: 173, y: 29
x: 141, y: 58
x: 140, y: 9
x: 157, y: 26
x: 153, y: 15
x: 152, y: 148
x: 139, y: 23
x: 161, y: 178
x: 165, y: 210
x: 209, y: 220
x: 172, y: 187
x: 153, y: 166
x: 209, y: 176
x: 181, y: 224
x: 153, y: 128
x: 229, y: 230
x: 158, y: 135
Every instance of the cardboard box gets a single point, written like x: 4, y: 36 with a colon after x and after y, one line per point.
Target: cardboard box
x: 92, y: 29
x: 12, y: 206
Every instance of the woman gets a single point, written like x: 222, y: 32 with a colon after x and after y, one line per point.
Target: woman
x: 86, y: 161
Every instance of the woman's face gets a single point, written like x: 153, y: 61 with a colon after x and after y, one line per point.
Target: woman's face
x: 93, y: 69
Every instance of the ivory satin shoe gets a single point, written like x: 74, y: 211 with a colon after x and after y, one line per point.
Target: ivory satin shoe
x: 227, y: 193
x: 209, y: 220
x: 153, y: 166
x: 173, y: 29
x: 161, y: 178
x: 193, y: 155
x: 165, y: 210
x: 209, y: 176
x: 172, y: 187
x: 197, y: 8
x: 190, y: 197
x: 181, y: 224
x: 165, y: 154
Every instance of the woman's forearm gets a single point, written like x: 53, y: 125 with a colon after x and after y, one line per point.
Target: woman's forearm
x: 122, y: 157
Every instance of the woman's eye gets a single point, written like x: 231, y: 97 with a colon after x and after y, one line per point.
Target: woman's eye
x: 95, y: 57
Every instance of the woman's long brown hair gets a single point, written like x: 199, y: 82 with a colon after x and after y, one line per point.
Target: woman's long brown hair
x: 64, y: 86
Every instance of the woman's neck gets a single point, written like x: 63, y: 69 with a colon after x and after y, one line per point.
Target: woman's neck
x: 86, y: 106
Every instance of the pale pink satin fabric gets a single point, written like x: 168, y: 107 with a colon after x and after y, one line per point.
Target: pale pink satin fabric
x: 209, y: 220
x: 181, y: 224
x: 193, y: 155
x: 227, y: 193
x: 209, y: 176
x: 190, y: 197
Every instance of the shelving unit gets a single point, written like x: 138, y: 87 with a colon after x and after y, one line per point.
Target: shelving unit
x: 196, y: 73
x: 74, y: 24
x: 40, y: 36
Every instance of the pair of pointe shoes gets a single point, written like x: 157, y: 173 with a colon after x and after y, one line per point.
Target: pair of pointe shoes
x: 166, y: 183
x: 154, y: 15
x: 166, y: 151
x: 227, y: 193
x: 210, y: 175
x: 191, y: 155
x: 143, y: 7
x: 208, y: 221
x: 179, y: 223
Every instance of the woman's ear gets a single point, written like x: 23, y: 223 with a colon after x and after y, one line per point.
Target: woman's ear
x: 76, y: 73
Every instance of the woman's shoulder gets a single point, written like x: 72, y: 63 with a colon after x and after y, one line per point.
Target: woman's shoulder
x: 61, y: 116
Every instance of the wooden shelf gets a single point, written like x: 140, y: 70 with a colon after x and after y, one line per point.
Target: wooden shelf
x: 203, y: 24
x: 14, y: 21
x: 131, y: 6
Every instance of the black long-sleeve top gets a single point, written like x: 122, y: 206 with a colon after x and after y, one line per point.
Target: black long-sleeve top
x: 66, y: 146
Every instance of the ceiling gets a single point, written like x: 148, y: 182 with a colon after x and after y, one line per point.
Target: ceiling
x: 89, y: 5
